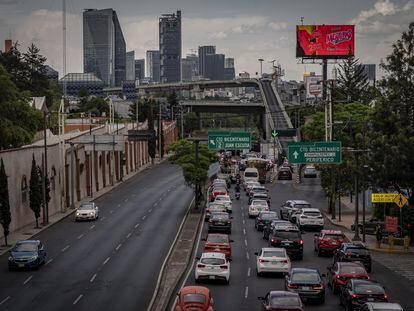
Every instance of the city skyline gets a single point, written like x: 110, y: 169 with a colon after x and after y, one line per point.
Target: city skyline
x: 238, y: 28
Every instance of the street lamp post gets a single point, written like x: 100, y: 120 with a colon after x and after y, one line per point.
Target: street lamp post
x: 261, y: 60
x: 46, y: 205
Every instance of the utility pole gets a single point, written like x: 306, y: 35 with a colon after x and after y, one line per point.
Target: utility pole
x: 261, y: 66
x: 46, y: 205
x: 72, y: 178
x: 136, y: 112
x: 159, y: 130
x: 182, y: 123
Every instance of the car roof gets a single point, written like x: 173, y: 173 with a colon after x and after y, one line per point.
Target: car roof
x: 299, y: 202
x: 384, y: 305
x: 310, y: 209
x: 258, y: 200
x: 213, y: 255
x: 286, y: 227
x: 267, y: 212
x: 349, y: 263
x: 281, y: 293
x: 364, y: 281
x: 331, y: 232
x: 195, y: 290
x: 306, y: 270
x: 217, y: 234
x: 354, y: 245
x: 269, y: 249
x: 28, y: 242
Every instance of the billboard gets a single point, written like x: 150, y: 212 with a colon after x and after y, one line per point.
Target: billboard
x: 325, y: 41
x: 313, y: 86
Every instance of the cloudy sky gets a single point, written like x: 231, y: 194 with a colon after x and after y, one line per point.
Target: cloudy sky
x: 243, y: 29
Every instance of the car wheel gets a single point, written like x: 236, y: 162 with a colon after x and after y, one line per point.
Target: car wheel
x: 322, y: 300
x: 348, y: 307
x: 335, y: 290
x: 264, y: 236
x: 227, y: 282
x: 340, y: 300
x: 258, y: 273
x: 196, y: 281
x: 319, y: 253
x: 11, y: 268
x: 369, y: 269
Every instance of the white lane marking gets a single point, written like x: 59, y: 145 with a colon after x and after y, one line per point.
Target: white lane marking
x: 119, y: 205
x: 27, y: 280
x: 136, y: 226
x: 106, y: 261
x: 155, y: 204
x: 77, y: 299
x: 111, y: 212
x: 4, y: 300
x: 48, y: 262
x: 126, y: 200
x: 247, y: 256
x: 103, y: 218
x: 246, y: 292
x: 129, y: 235
x: 243, y: 222
x: 93, y: 278
x: 248, y: 272
x: 80, y: 236
x: 245, y: 242
x: 143, y: 217
x: 159, y: 199
x: 150, y: 210
x: 244, y: 231
x: 65, y: 248
x: 118, y: 247
x: 93, y: 226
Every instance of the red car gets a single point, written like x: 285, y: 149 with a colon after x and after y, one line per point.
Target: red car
x: 219, y: 243
x: 341, y: 272
x: 327, y: 241
x: 217, y: 191
x: 194, y: 298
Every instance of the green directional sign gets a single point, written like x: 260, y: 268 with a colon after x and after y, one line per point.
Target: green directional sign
x: 317, y: 152
x: 229, y: 140
x: 274, y: 133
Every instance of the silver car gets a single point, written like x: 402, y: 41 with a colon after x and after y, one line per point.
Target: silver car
x: 87, y: 211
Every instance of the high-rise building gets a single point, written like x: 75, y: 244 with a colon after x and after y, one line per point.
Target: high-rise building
x: 202, y: 52
x: 153, y: 65
x: 170, y: 47
x: 214, y: 66
x: 139, y: 69
x: 189, y: 67
x: 104, y: 48
x: 370, y: 72
x: 229, y: 62
x: 130, y: 66
x: 229, y: 71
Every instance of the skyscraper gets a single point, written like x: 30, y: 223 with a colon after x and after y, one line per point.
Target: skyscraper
x: 370, y: 72
x: 202, y: 52
x: 214, y: 66
x: 229, y: 71
x: 104, y: 48
x: 130, y: 66
x: 153, y: 65
x: 170, y: 47
x: 139, y: 69
x: 189, y: 67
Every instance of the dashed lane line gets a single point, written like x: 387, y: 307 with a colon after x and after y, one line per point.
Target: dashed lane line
x: 91, y: 227
x: 4, y: 300
x: 49, y: 261
x: 93, y: 278
x: 77, y: 299
x: 65, y: 248
x: 136, y: 226
x: 247, y: 255
x: 244, y: 231
x: 143, y: 217
x: 248, y: 272
x: 106, y: 261
x: 126, y: 200
x: 103, y: 218
x: 246, y: 292
x: 129, y: 235
x: 111, y: 211
x: 118, y: 247
x: 27, y: 280
x: 245, y: 242
x: 80, y: 236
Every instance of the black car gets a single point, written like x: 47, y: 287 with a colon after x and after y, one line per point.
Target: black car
x: 219, y: 222
x: 281, y: 300
x: 356, y: 252
x: 357, y: 292
x: 289, y: 237
x: 264, y: 218
x: 307, y: 283
x: 284, y: 173
x: 260, y: 196
x: 268, y: 228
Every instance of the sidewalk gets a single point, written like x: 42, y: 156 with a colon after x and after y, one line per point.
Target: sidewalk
x: 30, y: 230
x: 348, y: 218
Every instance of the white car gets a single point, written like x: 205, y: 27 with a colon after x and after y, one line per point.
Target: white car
x: 271, y: 259
x: 212, y: 266
x: 250, y: 184
x: 87, y: 211
x: 226, y: 201
x: 257, y: 206
x: 214, y: 207
x: 310, y: 217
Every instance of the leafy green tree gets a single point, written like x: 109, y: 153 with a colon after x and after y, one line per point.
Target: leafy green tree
x: 190, y: 122
x: 35, y: 191
x: 172, y: 100
x: 5, y: 215
x: 15, y: 65
x: 162, y: 140
x: 37, y: 82
x: 152, y: 144
x: 143, y: 109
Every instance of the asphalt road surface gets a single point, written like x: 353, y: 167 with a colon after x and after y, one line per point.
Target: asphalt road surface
x: 110, y: 264
x: 245, y: 286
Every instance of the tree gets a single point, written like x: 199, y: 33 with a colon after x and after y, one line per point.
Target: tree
x: 35, y: 191
x: 15, y: 65
x: 143, y: 109
x: 5, y: 215
x: 172, y: 100
x: 162, y: 139
x: 37, y: 82
x: 190, y: 122
x: 152, y: 145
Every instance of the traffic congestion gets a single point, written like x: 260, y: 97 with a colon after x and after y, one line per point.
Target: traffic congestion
x: 271, y: 236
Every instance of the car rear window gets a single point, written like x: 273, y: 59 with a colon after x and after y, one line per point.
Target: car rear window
x: 284, y: 301
x: 194, y: 298
x: 333, y: 236
x: 217, y: 239
x: 213, y: 261
x: 220, y: 216
x: 259, y: 202
x: 368, y: 289
x: 250, y: 174
x: 275, y: 253
x: 305, y: 277
x: 352, y: 269
x: 268, y: 215
x: 302, y: 205
x: 312, y: 213
x: 360, y: 251
x: 25, y: 247
x: 288, y: 234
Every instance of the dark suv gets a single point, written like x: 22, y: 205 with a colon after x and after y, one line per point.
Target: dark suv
x: 289, y: 237
x: 355, y: 252
x: 264, y: 218
x: 291, y: 206
x: 219, y: 221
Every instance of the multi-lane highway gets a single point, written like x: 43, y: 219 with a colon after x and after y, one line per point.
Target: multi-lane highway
x: 110, y: 264
x: 245, y: 286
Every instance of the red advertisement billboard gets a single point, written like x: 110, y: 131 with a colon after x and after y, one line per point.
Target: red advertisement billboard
x: 391, y: 224
x: 325, y: 41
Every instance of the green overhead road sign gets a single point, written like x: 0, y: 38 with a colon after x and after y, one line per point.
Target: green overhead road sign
x: 229, y: 140
x: 274, y: 133
x: 317, y: 152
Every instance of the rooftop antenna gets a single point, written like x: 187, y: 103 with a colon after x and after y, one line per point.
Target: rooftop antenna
x: 301, y: 20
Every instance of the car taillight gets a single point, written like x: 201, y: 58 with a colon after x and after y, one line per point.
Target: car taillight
x: 385, y: 296
x: 356, y: 296
x: 228, y: 221
x: 292, y: 286
x: 274, y: 240
x: 318, y: 286
x: 303, y: 216
x: 300, y: 242
x: 342, y: 278
x: 284, y: 261
x: 224, y: 267
x: 201, y: 266
x: 263, y: 260
x: 347, y: 254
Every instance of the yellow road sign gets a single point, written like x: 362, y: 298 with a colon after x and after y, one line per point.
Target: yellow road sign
x: 400, y: 200
x: 383, y: 197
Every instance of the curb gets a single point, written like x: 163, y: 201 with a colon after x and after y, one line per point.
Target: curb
x: 333, y: 223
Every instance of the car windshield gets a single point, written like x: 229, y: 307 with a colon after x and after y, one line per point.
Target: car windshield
x: 359, y: 251
x: 268, y: 215
x: 250, y: 174
x: 305, y: 277
x: 86, y: 207
x: 259, y: 202
x: 220, y: 216
x: 273, y: 253
x: 352, y: 269
x: 312, y: 213
x: 368, y: 289
x: 223, y: 199
x: 288, y: 234
x: 284, y: 301
x: 221, y: 239
x: 333, y: 236
x: 194, y: 298
x: 302, y: 205
x: 25, y: 247
x: 261, y: 196
x: 213, y: 261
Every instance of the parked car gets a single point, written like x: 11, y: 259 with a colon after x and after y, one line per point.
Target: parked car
x: 289, y: 237
x: 381, y: 306
x: 268, y: 228
x: 354, y: 252
x: 194, y: 297
x: 309, y: 218
x: 257, y: 206
x: 264, y: 218
x: 292, y: 205
x: 341, y: 272
x: 271, y: 259
x: 327, y: 241
x: 310, y: 172
x: 226, y: 201
x: 29, y: 254
x: 217, y: 242
x: 219, y: 221
x: 87, y: 211
x: 307, y: 283
x: 213, y: 207
x: 284, y: 173
x: 357, y: 292
x: 281, y: 301
x: 212, y: 266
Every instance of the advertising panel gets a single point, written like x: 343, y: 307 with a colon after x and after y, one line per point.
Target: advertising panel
x: 325, y: 41
x: 313, y: 86
x: 391, y: 224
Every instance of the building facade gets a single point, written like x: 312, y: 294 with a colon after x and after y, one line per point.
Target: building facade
x: 153, y: 65
x: 370, y: 73
x: 104, y: 48
x: 203, y: 51
x: 214, y: 66
x: 170, y: 47
x: 130, y: 66
x: 74, y: 82
x: 139, y: 69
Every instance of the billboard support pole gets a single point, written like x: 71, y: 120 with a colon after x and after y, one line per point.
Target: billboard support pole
x: 324, y: 78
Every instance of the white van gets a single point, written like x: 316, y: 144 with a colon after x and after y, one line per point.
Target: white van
x: 251, y: 173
